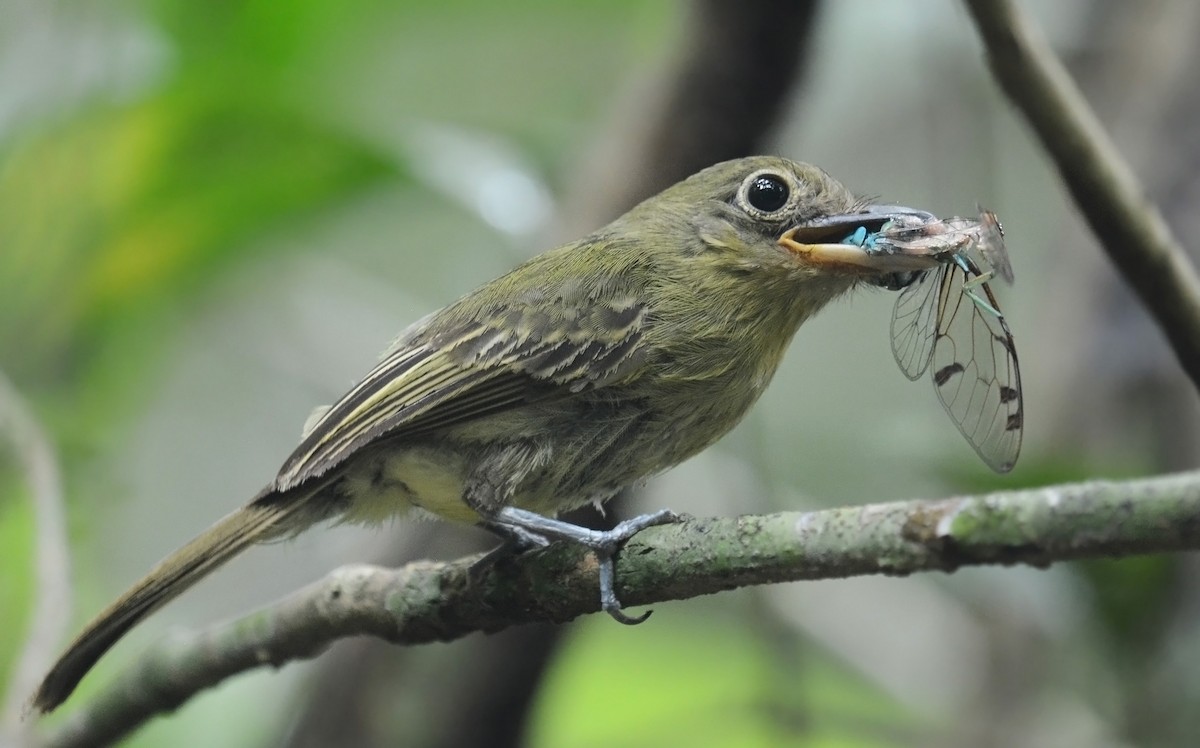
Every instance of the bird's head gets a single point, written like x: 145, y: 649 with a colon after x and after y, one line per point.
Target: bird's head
x: 777, y: 224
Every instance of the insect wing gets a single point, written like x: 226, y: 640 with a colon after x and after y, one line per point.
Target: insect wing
x: 975, y: 371
x: 914, y: 321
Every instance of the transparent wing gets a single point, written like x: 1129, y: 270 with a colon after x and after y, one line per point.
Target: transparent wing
x: 975, y: 371
x: 914, y: 322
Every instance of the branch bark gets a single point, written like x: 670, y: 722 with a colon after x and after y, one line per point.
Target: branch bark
x: 1127, y: 224
x: 426, y: 602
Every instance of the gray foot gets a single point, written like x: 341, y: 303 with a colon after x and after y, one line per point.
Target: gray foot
x: 604, y: 543
x: 515, y: 540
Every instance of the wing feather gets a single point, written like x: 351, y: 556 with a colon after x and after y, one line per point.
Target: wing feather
x: 431, y: 380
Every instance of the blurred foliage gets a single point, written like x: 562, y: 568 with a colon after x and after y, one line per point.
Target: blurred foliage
x: 709, y: 682
x: 114, y: 215
x: 133, y: 208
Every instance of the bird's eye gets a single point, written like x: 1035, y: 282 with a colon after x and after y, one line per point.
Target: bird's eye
x: 767, y: 192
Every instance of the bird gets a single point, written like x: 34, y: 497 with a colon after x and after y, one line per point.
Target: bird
x: 584, y: 370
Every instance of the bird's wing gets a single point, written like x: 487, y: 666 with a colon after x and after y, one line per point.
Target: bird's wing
x: 440, y: 375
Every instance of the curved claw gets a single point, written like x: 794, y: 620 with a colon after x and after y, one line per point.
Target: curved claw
x: 608, y: 595
x: 620, y: 617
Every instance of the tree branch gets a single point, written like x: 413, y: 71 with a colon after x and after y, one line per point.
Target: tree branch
x: 1128, y: 226
x: 52, y: 603
x: 425, y: 601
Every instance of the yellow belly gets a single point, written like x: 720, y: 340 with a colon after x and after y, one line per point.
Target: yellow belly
x: 393, y: 483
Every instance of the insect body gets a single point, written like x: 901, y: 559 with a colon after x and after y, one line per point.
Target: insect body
x: 947, y: 320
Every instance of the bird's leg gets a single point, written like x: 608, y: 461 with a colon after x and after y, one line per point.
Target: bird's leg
x: 513, y: 541
x: 525, y: 525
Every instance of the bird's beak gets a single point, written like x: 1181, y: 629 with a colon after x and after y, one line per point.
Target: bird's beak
x: 822, y: 242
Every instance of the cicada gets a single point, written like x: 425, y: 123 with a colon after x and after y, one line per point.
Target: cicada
x: 947, y: 321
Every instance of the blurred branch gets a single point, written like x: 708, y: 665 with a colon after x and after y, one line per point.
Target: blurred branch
x: 1131, y: 229
x: 426, y: 602
x: 52, y: 604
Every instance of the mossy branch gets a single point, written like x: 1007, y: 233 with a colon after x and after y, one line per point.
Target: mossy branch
x: 425, y: 602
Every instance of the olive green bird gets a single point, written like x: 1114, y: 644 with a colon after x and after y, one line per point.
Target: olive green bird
x: 584, y: 370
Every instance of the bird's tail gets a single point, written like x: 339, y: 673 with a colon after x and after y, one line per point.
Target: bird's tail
x: 258, y: 521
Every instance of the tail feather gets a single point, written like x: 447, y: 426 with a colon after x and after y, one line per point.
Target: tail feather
x: 253, y: 523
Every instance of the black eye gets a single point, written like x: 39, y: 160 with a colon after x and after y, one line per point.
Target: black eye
x: 767, y: 192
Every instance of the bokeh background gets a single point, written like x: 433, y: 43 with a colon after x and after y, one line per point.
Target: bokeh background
x: 213, y: 215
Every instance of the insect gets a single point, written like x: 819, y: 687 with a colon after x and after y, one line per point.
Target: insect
x: 947, y: 320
